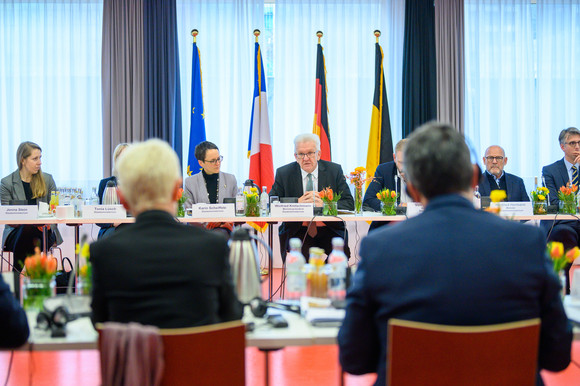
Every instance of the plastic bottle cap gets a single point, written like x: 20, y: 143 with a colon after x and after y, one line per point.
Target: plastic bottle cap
x: 295, y: 243
x: 337, y: 242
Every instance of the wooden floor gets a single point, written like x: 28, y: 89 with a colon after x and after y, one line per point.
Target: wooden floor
x: 305, y: 366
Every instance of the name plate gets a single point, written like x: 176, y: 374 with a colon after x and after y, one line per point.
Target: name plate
x: 414, y: 209
x: 19, y: 212
x: 291, y: 210
x: 104, y: 211
x: 213, y: 210
x: 512, y: 208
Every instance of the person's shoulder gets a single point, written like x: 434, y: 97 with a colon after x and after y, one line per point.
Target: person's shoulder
x: 8, y: 179
x: 514, y: 177
x: 192, y: 178
x: 289, y: 167
x: 553, y: 165
x: 329, y: 165
x: 47, y: 176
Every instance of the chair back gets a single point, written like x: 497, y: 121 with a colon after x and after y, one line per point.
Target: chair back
x: 205, y: 355
x: 431, y: 354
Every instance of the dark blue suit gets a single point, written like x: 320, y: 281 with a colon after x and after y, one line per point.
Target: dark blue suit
x: 13, y: 323
x: 384, y: 179
x: 516, y: 190
x: 566, y: 231
x: 453, y: 265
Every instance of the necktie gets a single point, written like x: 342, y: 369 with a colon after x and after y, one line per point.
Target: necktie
x: 309, y: 183
x: 575, y: 179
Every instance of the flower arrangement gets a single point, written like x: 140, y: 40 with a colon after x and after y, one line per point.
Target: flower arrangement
x: 555, y: 250
x: 40, y: 266
x: 539, y: 202
x: 496, y: 196
x: 86, y: 271
x: 38, y: 283
x: 329, y: 199
x: 567, y: 196
x: 388, y: 198
x: 357, y: 178
x: 180, y: 203
x: 252, y: 202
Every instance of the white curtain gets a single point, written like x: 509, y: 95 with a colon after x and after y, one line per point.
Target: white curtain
x: 226, y: 44
x: 50, y: 86
x: 348, y: 44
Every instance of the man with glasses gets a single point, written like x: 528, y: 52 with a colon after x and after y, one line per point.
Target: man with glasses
x: 494, y: 177
x: 302, y: 179
x: 557, y: 175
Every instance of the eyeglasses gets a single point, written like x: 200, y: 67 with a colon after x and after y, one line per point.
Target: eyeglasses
x: 304, y: 155
x: 215, y: 161
x: 573, y: 143
x: 492, y: 158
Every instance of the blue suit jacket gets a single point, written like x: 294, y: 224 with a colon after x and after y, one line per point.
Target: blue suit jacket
x: 440, y: 267
x: 13, y: 323
x: 384, y: 179
x: 516, y: 190
x: 555, y: 176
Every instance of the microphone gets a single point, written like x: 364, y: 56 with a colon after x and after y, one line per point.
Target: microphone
x: 397, y: 187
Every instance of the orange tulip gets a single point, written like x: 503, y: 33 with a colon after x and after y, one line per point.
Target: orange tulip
x: 556, y: 250
x: 574, y: 188
x: 393, y: 194
x: 329, y: 194
x: 379, y: 196
x: 51, y: 265
x: 572, y: 254
x: 29, y: 263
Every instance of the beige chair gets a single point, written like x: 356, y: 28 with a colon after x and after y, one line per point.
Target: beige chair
x: 432, y: 354
x: 206, y: 355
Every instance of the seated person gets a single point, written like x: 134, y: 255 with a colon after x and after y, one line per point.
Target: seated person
x: 211, y: 185
x: 494, y: 176
x: 158, y: 271
x: 13, y: 323
x: 389, y: 175
x: 452, y: 264
x: 303, y: 179
x: 29, y: 183
x: 108, y: 229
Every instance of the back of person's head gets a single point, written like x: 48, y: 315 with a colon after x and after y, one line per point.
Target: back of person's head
x: 116, y: 153
x: 400, y: 146
x: 307, y: 137
x: 437, y: 160
x: 564, y: 134
x: 202, y: 148
x: 37, y: 183
x: 148, y: 173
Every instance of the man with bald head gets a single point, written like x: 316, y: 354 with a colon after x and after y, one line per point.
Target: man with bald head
x: 494, y: 177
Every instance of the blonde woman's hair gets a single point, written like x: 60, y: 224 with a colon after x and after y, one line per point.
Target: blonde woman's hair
x: 116, y: 153
x: 147, y: 174
x: 37, y: 183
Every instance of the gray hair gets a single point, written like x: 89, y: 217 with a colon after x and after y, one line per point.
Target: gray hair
x: 116, y: 153
x: 437, y: 160
x: 147, y: 174
x: 308, y: 137
x: 564, y: 134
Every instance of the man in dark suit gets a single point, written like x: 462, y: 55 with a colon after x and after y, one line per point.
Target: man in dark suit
x: 158, y: 271
x: 494, y: 177
x: 385, y: 177
x: 555, y: 176
x: 13, y: 323
x: 452, y: 264
x: 302, y: 179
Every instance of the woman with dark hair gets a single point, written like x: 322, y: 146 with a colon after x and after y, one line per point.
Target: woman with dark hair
x: 27, y: 184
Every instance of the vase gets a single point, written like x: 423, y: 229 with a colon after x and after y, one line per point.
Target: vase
x: 358, y: 199
x: 567, y: 207
x: 180, y: 210
x: 84, y: 286
x: 540, y: 207
x: 388, y: 208
x: 252, y: 209
x: 329, y: 208
x: 562, y: 278
x: 35, y: 291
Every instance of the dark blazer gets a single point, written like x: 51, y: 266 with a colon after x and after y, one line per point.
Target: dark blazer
x: 288, y: 183
x: 516, y: 190
x: 12, y: 189
x: 555, y: 176
x: 384, y: 179
x: 160, y: 272
x: 440, y: 267
x: 13, y: 323
x: 106, y: 228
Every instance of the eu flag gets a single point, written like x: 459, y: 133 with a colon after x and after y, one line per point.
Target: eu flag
x: 197, y: 127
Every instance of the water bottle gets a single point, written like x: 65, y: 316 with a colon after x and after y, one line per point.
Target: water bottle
x: 338, y: 264
x: 240, y: 203
x: 94, y: 199
x: 110, y: 196
x: 78, y: 203
x: 295, y: 276
x: 264, y: 202
x: 476, y: 198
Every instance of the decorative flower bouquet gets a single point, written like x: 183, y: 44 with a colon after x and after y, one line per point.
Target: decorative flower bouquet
x: 329, y: 199
x: 567, y: 196
x: 496, y: 196
x: 555, y: 250
x: 357, y: 178
x: 252, y: 202
x: 180, y: 203
x: 389, y: 199
x: 539, y: 202
x: 85, y: 284
x: 40, y: 270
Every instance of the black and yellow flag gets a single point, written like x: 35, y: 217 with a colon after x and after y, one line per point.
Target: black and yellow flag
x: 380, y: 148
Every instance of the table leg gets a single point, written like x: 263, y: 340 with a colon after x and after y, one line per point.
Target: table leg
x: 270, y: 262
x: 45, y: 240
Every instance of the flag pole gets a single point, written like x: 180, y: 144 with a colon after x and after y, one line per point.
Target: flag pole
x: 319, y: 34
x: 194, y: 33
x: 377, y: 34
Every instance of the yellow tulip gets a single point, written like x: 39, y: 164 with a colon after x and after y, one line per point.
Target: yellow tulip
x: 541, y: 197
x: 497, y: 195
x: 556, y: 250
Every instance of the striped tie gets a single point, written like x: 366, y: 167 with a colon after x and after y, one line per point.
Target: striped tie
x: 310, y: 183
x: 575, y: 180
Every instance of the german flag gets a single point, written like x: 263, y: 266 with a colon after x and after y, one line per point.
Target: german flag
x: 380, y: 148
x: 320, y: 127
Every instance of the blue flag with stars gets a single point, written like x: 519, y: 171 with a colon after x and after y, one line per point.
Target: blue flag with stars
x: 197, y: 127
